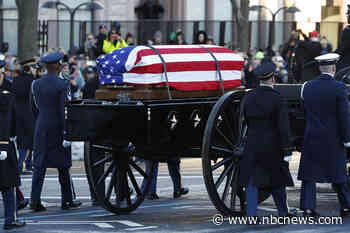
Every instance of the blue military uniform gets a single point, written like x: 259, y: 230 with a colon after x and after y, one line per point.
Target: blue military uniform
x: 9, y: 177
x: 24, y: 118
x: 268, y: 141
x: 48, y: 97
x: 174, y: 172
x: 344, y: 46
x: 323, y: 158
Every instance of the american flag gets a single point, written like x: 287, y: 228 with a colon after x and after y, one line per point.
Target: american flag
x: 189, y: 67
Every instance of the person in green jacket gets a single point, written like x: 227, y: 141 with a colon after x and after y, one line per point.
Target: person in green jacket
x: 114, y: 41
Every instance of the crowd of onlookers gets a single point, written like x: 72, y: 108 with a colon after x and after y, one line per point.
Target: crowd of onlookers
x: 290, y: 58
x: 80, y: 68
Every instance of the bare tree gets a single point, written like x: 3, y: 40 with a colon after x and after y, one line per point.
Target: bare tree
x: 240, y: 12
x: 27, y: 28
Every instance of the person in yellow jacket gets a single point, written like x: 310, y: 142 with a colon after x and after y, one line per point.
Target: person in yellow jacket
x: 113, y: 42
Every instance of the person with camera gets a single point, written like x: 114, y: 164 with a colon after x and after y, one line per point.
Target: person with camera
x: 9, y: 176
x: 113, y: 42
x: 71, y: 73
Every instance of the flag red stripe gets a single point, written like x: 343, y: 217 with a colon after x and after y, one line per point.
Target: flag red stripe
x: 148, y: 52
x: 197, y: 86
x: 187, y: 66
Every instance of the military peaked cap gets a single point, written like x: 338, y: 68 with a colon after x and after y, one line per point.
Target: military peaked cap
x: 52, y: 58
x: 265, y: 71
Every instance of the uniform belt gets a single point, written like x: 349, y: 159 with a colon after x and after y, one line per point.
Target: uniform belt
x: 4, y: 142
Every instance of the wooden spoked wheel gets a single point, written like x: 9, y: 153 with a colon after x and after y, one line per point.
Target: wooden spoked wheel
x: 119, y: 184
x: 221, y: 154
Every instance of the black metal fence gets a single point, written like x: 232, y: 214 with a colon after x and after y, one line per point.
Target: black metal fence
x: 55, y: 33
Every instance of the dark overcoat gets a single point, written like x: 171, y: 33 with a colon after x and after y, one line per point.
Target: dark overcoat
x: 9, y: 176
x: 327, y: 128
x: 268, y: 139
x: 344, y: 50
x: 48, y: 98
x: 24, y: 117
x: 305, y: 53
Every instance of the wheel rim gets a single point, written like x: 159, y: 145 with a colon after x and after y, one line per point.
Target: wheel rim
x: 121, y: 184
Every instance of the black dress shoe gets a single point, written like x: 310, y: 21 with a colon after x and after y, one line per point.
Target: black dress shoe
x: 14, y: 225
x: 37, y: 207
x: 71, y: 205
x: 183, y: 191
x: 152, y: 196
x: 95, y: 202
x: 344, y: 212
x: 310, y: 213
x: 22, y: 204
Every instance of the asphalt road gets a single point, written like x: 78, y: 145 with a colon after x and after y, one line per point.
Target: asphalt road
x: 191, y: 213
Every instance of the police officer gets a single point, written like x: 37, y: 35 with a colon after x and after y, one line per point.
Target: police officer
x: 344, y: 46
x: 48, y: 97
x: 327, y: 134
x: 9, y: 177
x: 268, y: 142
x: 24, y: 117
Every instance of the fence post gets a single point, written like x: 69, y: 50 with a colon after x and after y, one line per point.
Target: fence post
x: 195, y: 30
x: 222, y: 33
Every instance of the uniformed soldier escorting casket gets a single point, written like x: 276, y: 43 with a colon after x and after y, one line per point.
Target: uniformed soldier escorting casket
x: 48, y: 97
x: 9, y: 177
x: 24, y: 118
x: 344, y: 46
x: 263, y: 164
x: 327, y: 134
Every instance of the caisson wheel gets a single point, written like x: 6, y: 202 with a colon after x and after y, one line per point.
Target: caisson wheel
x: 221, y: 154
x: 119, y: 184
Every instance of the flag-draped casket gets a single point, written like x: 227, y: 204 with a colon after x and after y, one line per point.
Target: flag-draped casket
x: 189, y: 67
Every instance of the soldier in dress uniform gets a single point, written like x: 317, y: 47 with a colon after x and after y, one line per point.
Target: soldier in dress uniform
x: 305, y: 53
x: 344, y: 46
x: 264, y: 164
x: 24, y: 118
x: 174, y: 171
x: 327, y: 134
x: 48, y: 97
x: 9, y: 177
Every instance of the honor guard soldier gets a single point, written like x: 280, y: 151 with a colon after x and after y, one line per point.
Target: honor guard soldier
x: 9, y: 177
x: 344, y: 46
x: 327, y: 134
x: 48, y: 97
x: 24, y: 118
x: 268, y: 143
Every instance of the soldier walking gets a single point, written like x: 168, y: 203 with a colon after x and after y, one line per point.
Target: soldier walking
x: 48, y: 97
x: 268, y: 142
x: 9, y: 176
x: 327, y: 134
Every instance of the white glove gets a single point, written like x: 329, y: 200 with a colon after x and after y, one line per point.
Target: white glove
x: 347, y: 144
x: 13, y: 139
x: 3, y: 155
x: 66, y: 144
x: 287, y: 158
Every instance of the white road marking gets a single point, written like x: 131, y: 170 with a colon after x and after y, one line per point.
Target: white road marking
x: 29, y: 179
x: 140, y: 228
x: 129, y: 223
x: 103, y: 225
